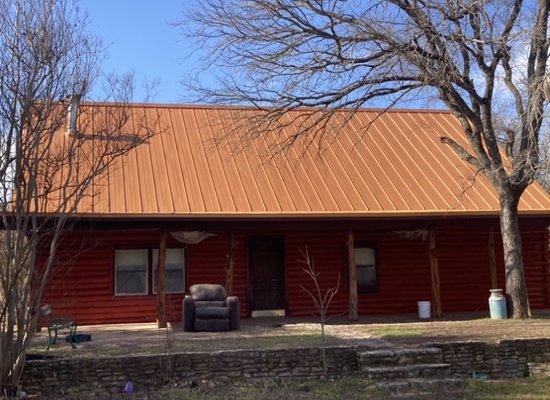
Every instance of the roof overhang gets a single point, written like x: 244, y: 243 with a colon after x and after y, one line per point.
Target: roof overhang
x: 297, y: 215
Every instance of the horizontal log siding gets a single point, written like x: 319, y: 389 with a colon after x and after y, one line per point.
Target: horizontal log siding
x: 82, y: 282
x: 403, y: 272
x: 326, y: 250
x: 536, y: 267
x: 207, y: 263
x: 464, y: 268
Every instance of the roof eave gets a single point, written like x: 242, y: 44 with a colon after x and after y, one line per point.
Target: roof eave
x: 298, y: 215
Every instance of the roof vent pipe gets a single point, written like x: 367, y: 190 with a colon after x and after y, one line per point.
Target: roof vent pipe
x: 72, y: 116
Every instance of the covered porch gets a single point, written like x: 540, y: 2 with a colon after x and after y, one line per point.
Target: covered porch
x: 451, y: 262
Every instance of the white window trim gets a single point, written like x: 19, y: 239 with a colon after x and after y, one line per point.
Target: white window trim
x: 146, y: 292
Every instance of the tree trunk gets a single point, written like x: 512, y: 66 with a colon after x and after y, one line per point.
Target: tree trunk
x: 516, y: 289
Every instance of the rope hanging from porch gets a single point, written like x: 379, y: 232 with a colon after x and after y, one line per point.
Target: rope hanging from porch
x: 191, y: 237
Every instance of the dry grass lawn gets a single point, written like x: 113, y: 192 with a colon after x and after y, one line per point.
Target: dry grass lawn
x: 352, y: 388
x: 124, y: 339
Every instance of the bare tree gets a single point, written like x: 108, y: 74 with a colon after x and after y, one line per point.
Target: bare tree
x: 321, y: 300
x: 334, y: 55
x: 49, y: 161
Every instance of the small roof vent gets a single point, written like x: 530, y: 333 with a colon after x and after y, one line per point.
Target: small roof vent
x: 72, y: 116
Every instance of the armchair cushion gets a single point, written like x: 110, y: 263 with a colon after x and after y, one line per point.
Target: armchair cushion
x: 212, y: 313
x: 214, y: 303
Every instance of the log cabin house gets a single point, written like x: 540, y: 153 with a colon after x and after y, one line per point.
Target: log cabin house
x: 384, y: 206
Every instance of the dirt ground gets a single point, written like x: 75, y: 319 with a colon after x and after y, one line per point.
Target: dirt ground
x: 122, y: 339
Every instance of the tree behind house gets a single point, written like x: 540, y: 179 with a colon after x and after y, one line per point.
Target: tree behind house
x: 487, y: 61
x: 47, y: 59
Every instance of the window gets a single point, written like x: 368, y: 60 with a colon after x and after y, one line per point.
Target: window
x: 135, y: 271
x: 131, y: 272
x: 366, y: 270
x: 174, y: 270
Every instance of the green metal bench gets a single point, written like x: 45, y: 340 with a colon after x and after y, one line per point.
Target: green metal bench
x: 61, y: 323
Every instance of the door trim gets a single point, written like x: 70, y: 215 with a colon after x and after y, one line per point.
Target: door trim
x: 250, y: 283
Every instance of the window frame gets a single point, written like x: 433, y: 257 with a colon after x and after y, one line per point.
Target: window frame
x: 369, y: 288
x: 150, y: 282
x: 147, y: 286
x: 183, y: 274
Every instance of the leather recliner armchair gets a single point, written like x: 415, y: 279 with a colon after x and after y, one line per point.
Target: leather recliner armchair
x: 207, y: 308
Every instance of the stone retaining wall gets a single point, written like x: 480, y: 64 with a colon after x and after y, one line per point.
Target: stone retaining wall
x: 539, y: 369
x: 506, y: 359
x: 109, y: 375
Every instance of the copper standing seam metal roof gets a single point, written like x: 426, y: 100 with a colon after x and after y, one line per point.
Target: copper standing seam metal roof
x: 398, y: 167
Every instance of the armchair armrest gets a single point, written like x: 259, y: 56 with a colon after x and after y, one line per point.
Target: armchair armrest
x: 188, y: 311
x: 234, y: 312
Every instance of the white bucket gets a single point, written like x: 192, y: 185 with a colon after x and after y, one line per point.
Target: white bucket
x: 424, y: 309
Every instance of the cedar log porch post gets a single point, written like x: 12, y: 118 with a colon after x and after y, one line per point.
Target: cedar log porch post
x: 353, y: 313
x: 160, y: 280
x: 492, y: 259
x: 434, y: 272
x: 230, y: 264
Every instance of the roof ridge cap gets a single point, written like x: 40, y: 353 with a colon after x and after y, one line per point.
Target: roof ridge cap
x: 249, y: 107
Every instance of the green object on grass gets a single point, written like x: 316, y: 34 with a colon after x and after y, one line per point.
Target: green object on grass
x: 480, y: 376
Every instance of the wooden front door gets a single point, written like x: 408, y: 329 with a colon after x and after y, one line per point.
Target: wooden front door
x: 266, y: 261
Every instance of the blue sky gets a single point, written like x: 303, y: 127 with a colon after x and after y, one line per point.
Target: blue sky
x: 139, y: 38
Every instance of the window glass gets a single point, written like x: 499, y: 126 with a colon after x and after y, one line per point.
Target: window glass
x: 366, y: 269
x: 131, y: 271
x: 366, y: 274
x: 174, y: 270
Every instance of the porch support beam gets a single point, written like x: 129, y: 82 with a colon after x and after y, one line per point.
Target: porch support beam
x: 230, y: 264
x: 492, y: 258
x: 434, y: 272
x: 353, y: 309
x: 160, y: 280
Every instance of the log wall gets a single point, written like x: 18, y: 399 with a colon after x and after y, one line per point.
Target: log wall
x: 82, y: 283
